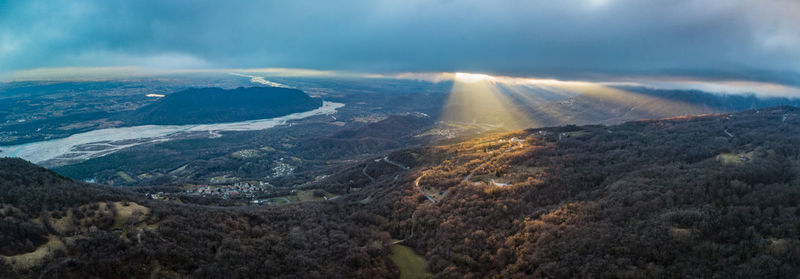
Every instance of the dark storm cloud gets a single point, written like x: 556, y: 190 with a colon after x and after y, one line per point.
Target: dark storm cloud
x: 515, y: 37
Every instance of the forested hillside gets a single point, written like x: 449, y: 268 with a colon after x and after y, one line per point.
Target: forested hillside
x: 53, y: 227
x: 397, y: 131
x: 701, y: 197
x: 712, y: 196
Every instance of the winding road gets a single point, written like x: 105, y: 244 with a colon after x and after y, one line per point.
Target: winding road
x: 364, y: 171
x: 416, y: 183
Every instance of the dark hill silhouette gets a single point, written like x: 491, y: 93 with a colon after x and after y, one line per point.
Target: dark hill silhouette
x: 213, y: 105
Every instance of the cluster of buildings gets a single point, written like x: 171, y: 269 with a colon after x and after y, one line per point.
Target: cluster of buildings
x: 514, y: 141
x: 439, y: 132
x: 282, y: 169
x: 159, y: 196
x: 236, y: 190
x: 239, y: 189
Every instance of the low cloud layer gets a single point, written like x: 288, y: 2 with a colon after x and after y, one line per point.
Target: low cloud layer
x: 744, y: 39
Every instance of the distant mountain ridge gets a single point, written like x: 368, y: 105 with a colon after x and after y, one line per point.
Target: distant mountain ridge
x: 214, y: 105
x: 614, y: 105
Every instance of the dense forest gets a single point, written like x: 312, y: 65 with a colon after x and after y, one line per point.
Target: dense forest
x: 213, y: 105
x: 394, y: 132
x: 55, y: 227
x: 711, y: 196
x: 693, y: 197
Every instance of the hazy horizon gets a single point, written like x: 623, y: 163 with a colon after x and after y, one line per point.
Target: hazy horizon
x: 596, y: 40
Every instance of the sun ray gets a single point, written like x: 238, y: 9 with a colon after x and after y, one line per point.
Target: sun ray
x: 510, y: 103
x: 476, y: 99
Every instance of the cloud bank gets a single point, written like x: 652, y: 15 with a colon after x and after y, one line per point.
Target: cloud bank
x: 750, y: 39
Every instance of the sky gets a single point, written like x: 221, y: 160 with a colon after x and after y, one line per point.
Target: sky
x: 752, y: 40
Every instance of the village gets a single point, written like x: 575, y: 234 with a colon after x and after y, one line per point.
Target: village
x: 239, y: 190
x: 250, y: 192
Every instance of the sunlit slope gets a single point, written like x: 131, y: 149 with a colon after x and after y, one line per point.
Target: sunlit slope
x: 699, y: 196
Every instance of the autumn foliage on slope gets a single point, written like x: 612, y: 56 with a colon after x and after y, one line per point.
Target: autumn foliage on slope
x: 708, y: 196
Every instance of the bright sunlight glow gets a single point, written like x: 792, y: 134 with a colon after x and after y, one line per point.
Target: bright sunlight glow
x: 468, y: 77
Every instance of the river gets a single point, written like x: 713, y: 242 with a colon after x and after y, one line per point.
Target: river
x: 83, y: 146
